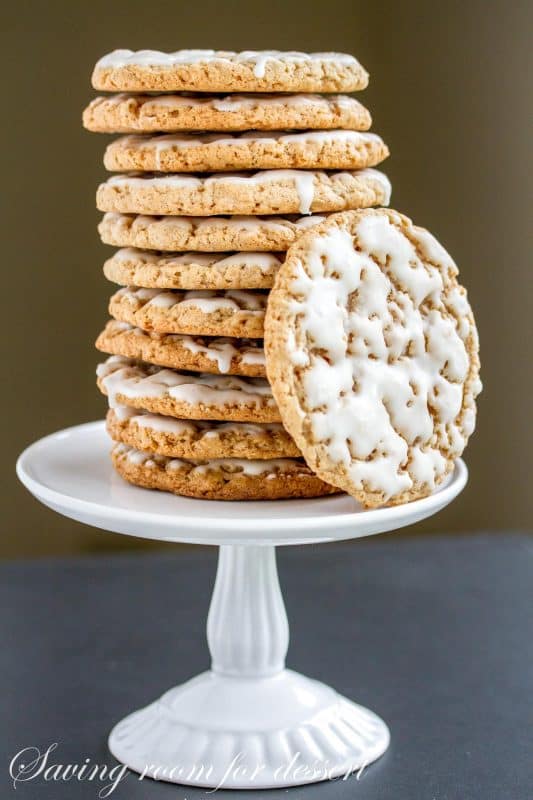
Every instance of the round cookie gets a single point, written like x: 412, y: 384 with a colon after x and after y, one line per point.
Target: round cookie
x: 185, y: 152
x: 132, y: 267
x: 277, y: 191
x: 179, y: 438
x: 220, y: 479
x: 186, y: 395
x: 172, y: 113
x: 372, y: 353
x: 205, y: 313
x: 228, y: 71
x: 207, y: 234
x: 179, y: 351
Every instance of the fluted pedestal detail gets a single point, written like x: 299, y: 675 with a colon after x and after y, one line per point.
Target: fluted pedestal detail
x: 247, y: 628
x: 248, y: 722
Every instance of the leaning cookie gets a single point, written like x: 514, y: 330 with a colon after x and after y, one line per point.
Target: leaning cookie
x: 228, y: 71
x: 372, y: 353
x: 132, y: 267
x: 180, y: 438
x: 186, y: 395
x: 220, y: 479
x: 185, y: 152
x: 184, y: 352
x: 277, y: 191
x: 204, y: 313
x: 206, y: 234
x: 171, y: 113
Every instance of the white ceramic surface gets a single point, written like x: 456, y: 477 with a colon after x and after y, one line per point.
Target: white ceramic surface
x: 248, y: 722
x: 70, y: 471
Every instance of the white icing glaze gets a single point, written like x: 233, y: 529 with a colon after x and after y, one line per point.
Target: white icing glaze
x: 173, y: 141
x: 221, y: 350
x: 380, y: 178
x: 248, y: 467
x: 124, y: 376
x: 384, y: 366
x: 209, y: 301
x: 238, y: 102
x: 303, y: 180
x: 258, y: 59
x: 266, y: 262
x: 231, y: 103
x: 204, y: 429
x: 251, y: 224
x: 162, y: 424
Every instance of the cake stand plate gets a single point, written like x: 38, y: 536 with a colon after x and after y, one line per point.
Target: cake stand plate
x: 248, y: 722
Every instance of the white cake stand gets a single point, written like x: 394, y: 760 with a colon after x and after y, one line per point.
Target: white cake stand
x: 247, y: 722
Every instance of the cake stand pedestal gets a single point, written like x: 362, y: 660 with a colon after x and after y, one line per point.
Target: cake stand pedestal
x: 248, y: 722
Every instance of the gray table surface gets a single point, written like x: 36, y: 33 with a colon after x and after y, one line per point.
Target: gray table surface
x: 432, y: 633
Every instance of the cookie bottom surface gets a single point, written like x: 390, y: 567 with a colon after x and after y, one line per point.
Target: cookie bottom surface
x: 219, y: 479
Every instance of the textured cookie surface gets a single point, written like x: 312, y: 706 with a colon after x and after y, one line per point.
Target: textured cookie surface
x: 182, y: 438
x: 169, y: 113
x: 372, y: 353
x: 219, y: 479
x: 227, y: 71
x: 206, y: 234
x: 130, y: 266
x: 207, y: 313
x: 183, y: 352
x: 186, y: 395
x: 185, y: 152
x: 277, y: 191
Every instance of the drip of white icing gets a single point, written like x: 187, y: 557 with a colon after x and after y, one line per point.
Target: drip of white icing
x: 208, y: 301
x: 303, y: 180
x: 221, y: 350
x: 123, y: 376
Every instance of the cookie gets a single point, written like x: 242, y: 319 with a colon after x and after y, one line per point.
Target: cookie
x: 277, y: 191
x: 186, y: 152
x: 179, y: 438
x: 372, y: 353
x: 132, y: 267
x: 171, y: 113
x: 179, y: 351
x: 227, y: 71
x: 186, y: 395
x: 207, y: 234
x: 206, y: 313
x: 219, y: 479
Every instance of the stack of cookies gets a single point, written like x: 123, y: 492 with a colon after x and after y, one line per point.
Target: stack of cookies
x: 224, y: 159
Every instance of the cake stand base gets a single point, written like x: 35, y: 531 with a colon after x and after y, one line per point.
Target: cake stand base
x: 218, y: 731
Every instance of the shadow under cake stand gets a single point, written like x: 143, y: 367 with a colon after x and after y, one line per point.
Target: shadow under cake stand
x: 248, y: 722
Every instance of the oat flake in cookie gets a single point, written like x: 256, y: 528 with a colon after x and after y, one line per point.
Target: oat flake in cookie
x: 372, y: 354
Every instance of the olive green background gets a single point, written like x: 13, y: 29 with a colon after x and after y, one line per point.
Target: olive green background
x: 449, y: 92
